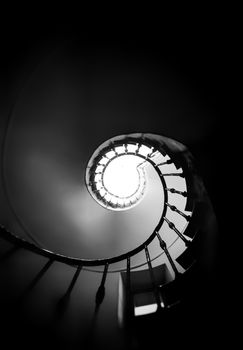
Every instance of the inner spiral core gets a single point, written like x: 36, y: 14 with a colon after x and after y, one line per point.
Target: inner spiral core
x: 123, y: 177
x: 116, y: 177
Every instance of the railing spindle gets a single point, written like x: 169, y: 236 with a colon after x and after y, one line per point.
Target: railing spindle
x: 172, y: 226
x: 74, y: 279
x: 35, y: 280
x: 173, y: 174
x: 101, y: 290
x: 173, y: 190
x: 173, y: 208
x: 63, y: 302
x: 128, y: 289
x: 153, y: 281
x: 169, y: 161
x: 164, y: 248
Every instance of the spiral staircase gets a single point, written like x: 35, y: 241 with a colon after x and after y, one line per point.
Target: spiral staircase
x: 62, y: 291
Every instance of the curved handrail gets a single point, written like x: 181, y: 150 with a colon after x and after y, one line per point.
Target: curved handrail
x: 110, y: 260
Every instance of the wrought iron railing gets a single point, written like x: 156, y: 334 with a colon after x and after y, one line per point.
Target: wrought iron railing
x: 179, y: 158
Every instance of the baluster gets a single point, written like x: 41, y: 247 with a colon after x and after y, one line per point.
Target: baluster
x: 168, y: 161
x: 164, y: 248
x: 137, y: 150
x: 173, y: 208
x: 128, y: 290
x: 74, y: 279
x: 89, y: 339
x: 172, y: 226
x: 153, y: 154
x: 173, y: 174
x: 101, y: 290
x: 150, y: 154
x: 173, y: 190
x: 153, y: 281
x: 36, y: 280
x: 63, y: 302
x: 115, y: 151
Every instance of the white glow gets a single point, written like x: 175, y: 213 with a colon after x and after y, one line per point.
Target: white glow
x: 110, y: 154
x: 145, y: 150
x: 146, y: 309
x: 104, y: 160
x: 132, y: 148
x: 122, y: 177
x: 120, y: 149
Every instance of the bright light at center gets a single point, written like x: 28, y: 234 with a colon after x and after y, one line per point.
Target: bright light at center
x: 122, y: 177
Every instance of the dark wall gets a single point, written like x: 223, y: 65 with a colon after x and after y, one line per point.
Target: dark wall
x: 194, y: 65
